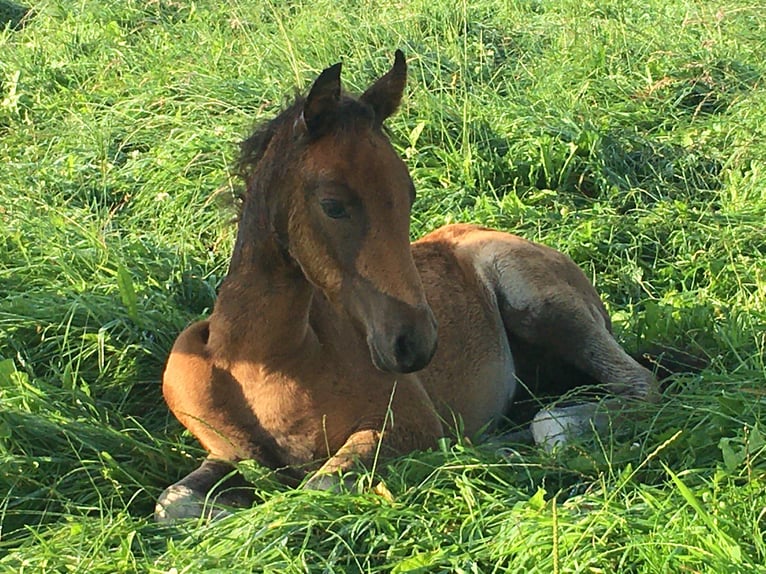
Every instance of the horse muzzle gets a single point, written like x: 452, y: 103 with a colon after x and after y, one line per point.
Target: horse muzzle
x: 405, y: 347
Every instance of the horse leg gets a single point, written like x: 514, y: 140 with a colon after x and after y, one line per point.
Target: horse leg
x: 412, y: 424
x: 568, y: 331
x: 582, y: 341
x: 561, y: 315
x: 205, y: 492
x: 208, y: 402
x: 359, y: 448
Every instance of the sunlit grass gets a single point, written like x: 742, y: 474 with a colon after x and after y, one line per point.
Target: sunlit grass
x: 630, y: 136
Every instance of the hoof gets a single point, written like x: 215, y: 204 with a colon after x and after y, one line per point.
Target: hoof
x: 552, y: 428
x: 330, y: 483
x: 179, y: 502
x: 207, y: 492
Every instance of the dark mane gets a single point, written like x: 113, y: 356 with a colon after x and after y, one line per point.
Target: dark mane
x: 252, y: 148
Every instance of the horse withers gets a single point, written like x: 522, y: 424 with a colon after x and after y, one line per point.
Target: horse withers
x: 334, y: 340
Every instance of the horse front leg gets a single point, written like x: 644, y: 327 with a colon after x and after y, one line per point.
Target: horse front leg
x: 208, y: 402
x: 412, y: 424
x: 205, y: 492
x: 359, y: 450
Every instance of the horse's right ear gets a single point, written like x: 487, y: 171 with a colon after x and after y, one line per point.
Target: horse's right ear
x: 322, y: 102
x: 385, y: 94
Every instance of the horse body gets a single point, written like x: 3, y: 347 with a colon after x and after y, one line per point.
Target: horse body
x: 472, y: 376
x: 321, y: 351
x: 545, y: 318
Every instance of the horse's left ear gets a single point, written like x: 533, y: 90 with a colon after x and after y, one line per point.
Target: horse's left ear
x: 322, y: 102
x: 385, y: 94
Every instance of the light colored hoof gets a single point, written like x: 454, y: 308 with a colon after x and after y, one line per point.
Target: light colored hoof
x: 330, y: 483
x: 179, y: 502
x: 555, y: 427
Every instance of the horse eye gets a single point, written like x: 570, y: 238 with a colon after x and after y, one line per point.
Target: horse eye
x: 334, y: 209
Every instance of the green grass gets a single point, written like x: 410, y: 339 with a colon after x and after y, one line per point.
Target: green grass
x: 630, y: 135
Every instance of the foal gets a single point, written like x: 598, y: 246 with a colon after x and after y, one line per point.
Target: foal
x: 321, y: 351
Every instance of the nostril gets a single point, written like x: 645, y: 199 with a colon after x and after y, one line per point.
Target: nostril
x: 409, y: 353
x: 403, y: 349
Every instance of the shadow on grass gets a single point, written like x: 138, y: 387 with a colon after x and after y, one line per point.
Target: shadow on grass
x: 78, y: 467
x: 14, y: 15
x: 83, y: 420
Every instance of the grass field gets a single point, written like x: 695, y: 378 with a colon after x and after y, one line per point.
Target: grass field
x: 631, y: 135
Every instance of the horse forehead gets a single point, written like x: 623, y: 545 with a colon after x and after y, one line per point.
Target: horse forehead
x: 357, y: 157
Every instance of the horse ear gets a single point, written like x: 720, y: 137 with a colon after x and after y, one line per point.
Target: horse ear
x: 386, y: 93
x: 322, y: 101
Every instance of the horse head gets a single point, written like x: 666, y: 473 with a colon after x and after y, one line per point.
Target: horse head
x: 343, y: 210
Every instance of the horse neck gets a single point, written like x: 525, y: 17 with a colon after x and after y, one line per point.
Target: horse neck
x: 263, y: 305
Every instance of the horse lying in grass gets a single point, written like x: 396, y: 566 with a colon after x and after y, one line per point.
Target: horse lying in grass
x: 321, y: 352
